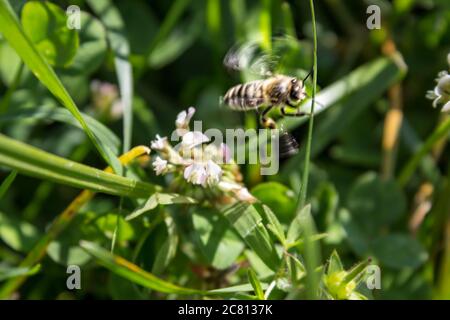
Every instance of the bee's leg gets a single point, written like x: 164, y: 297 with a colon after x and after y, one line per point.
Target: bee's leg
x: 265, y: 121
x: 296, y: 114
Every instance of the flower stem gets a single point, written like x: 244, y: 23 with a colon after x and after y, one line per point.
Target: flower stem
x: 304, y: 186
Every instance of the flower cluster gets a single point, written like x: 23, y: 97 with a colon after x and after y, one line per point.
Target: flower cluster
x: 105, y: 99
x: 198, y: 161
x: 441, y: 93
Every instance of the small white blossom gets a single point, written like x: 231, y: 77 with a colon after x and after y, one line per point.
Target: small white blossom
x: 184, y: 117
x: 193, y: 139
x: 159, y: 143
x: 244, y: 195
x: 195, y: 173
x: 214, y: 173
x: 441, y: 93
x: 160, y: 166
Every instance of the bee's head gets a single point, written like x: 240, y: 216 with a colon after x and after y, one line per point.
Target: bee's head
x: 297, y: 92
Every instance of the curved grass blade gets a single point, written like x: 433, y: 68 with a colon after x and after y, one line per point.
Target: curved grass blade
x: 40, y: 164
x: 4, y: 186
x: 8, y: 273
x: 61, y: 222
x: 14, y: 34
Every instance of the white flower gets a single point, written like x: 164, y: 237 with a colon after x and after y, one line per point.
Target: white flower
x: 228, y: 186
x: 239, y: 191
x: 195, y: 173
x: 244, y: 195
x: 160, y: 166
x: 193, y: 139
x: 184, y: 117
x: 159, y: 143
x: 214, y: 173
x: 441, y: 93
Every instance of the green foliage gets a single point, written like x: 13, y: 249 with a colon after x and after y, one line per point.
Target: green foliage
x: 363, y: 191
x: 46, y: 26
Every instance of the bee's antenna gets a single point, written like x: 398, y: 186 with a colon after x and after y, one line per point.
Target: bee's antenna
x: 307, y: 76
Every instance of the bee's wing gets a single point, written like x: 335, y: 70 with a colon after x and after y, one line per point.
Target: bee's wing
x: 249, y: 57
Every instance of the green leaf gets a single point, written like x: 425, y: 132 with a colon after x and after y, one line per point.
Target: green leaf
x: 92, y: 49
x: 155, y: 200
x: 274, y: 225
x: 7, y: 183
x: 217, y: 242
x: 19, y: 235
x: 296, y: 227
x: 14, y: 34
x: 40, y: 164
x: 247, y: 222
x: 168, y: 250
x: 375, y: 203
x: 46, y: 26
x: 277, y: 197
x: 45, y: 113
x: 132, y: 272
x: 254, y: 281
x: 334, y: 264
x: 7, y: 273
x: 399, y: 251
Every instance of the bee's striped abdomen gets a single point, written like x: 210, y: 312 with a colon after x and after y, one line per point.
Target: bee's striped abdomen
x: 245, y: 96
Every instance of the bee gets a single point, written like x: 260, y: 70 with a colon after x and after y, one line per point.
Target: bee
x: 263, y: 95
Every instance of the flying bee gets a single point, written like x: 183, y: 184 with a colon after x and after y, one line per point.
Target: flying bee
x: 274, y: 91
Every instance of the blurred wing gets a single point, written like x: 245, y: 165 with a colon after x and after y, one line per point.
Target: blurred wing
x: 249, y: 57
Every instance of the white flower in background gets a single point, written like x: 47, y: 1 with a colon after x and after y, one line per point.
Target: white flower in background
x: 159, y: 143
x: 195, y: 173
x: 441, y: 93
x: 198, y: 162
x: 160, y: 166
x: 193, y: 139
x: 105, y: 98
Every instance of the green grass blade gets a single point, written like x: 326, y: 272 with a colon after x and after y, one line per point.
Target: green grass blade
x: 132, y: 272
x: 304, y: 186
x: 176, y: 10
x: 115, y: 29
x: 254, y: 281
x: 8, y: 273
x: 7, y: 183
x: 40, y: 164
x: 14, y: 34
x: 247, y: 222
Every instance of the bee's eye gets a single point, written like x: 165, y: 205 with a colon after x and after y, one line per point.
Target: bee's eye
x: 294, y: 81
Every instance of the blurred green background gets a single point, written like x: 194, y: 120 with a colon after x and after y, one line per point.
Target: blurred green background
x: 176, y: 50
